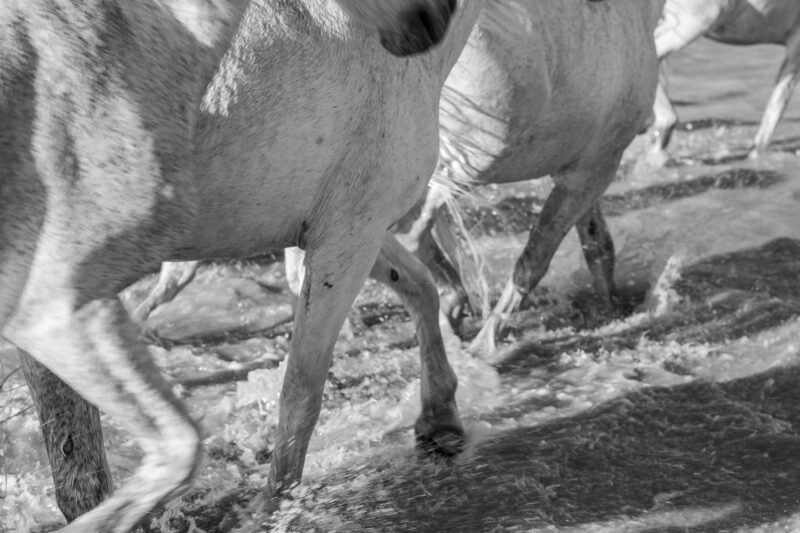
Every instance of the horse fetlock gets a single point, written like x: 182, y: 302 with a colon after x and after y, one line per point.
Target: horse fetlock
x: 484, y: 345
x: 286, y: 469
x: 759, y: 147
x: 297, y: 421
x: 439, y: 429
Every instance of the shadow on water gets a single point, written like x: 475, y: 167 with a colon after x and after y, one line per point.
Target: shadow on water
x: 723, y: 297
x: 711, y: 122
x: 718, y: 453
x: 789, y: 145
x: 692, y: 458
x: 519, y: 214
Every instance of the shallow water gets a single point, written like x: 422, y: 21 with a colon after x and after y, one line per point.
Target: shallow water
x: 712, y: 80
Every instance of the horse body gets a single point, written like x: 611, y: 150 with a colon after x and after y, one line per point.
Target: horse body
x: 562, y: 103
x: 523, y: 102
x: 549, y: 101
x: 116, y: 157
x: 739, y: 22
x: 280, y: 158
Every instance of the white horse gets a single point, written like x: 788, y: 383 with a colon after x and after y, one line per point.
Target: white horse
x: 733, y: 22
x: 515, y: 109
x: 565, y: 103
x: 132, y: 133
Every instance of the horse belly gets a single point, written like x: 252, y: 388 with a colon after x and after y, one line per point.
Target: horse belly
x: 489, y: 107
x: 253, y: 201
x: 301, y: 162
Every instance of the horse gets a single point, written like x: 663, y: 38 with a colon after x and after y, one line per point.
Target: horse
x: 516, y: 110
x: 539, y: 112
x: 564, y: 104
x: 133, y: 133
x: 741, y: 22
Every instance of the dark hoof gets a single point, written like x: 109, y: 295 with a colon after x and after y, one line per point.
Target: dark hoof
x: 446, y: 441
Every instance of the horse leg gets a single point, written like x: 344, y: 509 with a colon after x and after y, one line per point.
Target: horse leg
x: 99, y: 355
x: 679, y: 27
x: 438, y: 262
x: 683, y: 23
x: 438, y: 427
x: 295, y: 272
x: 457, y: 243
x: 440, y: 240
x: 419, y: 239
x: 779, y: 99
x: 334, y: 273
x: 664, y: 117
x: 172, y: 279
x: 73, y: 439
x: 598, y: 250
x: 572, y: 196
x: 70, y: 425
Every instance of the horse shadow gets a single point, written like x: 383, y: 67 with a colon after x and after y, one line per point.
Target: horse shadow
x: 695, y: 457
x: 722, y: 297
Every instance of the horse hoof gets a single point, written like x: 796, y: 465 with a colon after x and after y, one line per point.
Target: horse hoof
x: 446, y: 441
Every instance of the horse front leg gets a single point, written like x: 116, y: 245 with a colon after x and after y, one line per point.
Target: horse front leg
x: 335, y: 270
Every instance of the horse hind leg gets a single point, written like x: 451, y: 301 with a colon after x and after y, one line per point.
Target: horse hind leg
x: 438, y: 427
x: 421, y: 222
x: 172, y: 279
x: 665, y: 118
x: 572, y: 196
x: 779, y: 99
x: 70, y: 321
x: 70, y: 425
x: 598, y: 250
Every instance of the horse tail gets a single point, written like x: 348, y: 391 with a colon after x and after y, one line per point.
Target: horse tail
x: 457, y: 243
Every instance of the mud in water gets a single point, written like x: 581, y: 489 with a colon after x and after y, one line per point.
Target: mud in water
x: 679, y: 411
